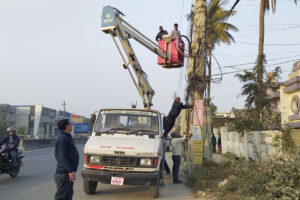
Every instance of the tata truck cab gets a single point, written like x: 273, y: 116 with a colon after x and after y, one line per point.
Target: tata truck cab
x: 125, y: 148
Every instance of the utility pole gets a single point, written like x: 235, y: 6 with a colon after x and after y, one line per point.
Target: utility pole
x: 64, y: 108
x: 197, y: 61
x: 196, y: 72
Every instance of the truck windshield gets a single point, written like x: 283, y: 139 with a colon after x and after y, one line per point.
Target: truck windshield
x: 129, y: 122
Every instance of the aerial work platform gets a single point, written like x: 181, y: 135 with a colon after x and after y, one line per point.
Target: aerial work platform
x: 175, y: 52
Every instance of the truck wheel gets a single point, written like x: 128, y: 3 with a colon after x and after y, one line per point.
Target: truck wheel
x: 154, y: 188
x: 89, y: 187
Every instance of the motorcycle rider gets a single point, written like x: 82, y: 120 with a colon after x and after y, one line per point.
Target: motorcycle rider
x: 11, y: 142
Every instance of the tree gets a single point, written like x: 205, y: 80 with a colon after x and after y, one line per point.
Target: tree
x: 217, y: 30
x: 258, y: 103
x: 22, y: 130
x: 3, y: 127
x: 265, y: 6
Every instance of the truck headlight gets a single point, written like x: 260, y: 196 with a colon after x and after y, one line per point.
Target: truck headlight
x: 146, y: 162
x: 95, y: 159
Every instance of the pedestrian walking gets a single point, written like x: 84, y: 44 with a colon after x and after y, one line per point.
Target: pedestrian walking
x: 67, y: 158
x: 214, y: 142
x: 219, y: 144
x: 177, y: 149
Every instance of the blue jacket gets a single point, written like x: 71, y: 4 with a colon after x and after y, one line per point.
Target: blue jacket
x: 214, y: 140
x: 15, y: 142
x: 66, y: 154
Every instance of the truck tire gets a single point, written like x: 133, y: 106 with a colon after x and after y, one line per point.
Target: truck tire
x: 89, y: 187
x: 154, y: 188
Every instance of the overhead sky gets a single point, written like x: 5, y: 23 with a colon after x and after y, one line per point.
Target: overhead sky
x: 53, y: 50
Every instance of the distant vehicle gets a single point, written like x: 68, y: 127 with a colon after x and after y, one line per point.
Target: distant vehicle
x: 125, y: 147
x: 5, y: 163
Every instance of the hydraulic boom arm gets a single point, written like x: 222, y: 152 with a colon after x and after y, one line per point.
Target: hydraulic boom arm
x: 116, y: 26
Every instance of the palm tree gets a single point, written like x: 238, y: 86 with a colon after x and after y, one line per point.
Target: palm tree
x: 217, y: 30
x: 265, y: 6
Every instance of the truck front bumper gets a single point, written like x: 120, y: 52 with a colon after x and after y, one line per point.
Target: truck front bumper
x: 130, y: 178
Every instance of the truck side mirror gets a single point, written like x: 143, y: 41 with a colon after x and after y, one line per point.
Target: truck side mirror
x: 93, y: 120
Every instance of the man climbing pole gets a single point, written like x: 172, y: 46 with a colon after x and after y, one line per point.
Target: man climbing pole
x: 169, y: 121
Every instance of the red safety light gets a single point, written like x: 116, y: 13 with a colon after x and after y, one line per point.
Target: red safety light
x: 85, y: 158
x: 175, y: 49
x: 95, y: 166
x: 155, y: 161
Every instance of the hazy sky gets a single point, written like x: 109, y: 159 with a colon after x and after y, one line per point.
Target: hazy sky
x: 53, y: 50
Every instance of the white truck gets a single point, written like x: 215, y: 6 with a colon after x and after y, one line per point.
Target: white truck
x: 125, y: 148
x: 126, y: 145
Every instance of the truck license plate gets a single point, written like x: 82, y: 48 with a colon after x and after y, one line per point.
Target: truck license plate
x: 117, y: 181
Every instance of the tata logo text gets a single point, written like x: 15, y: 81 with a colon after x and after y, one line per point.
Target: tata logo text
x: 119, y: 152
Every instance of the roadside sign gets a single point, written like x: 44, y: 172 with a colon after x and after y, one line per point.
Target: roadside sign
x: 81, y: 128
x: 198, y: 159
x: 197, y: 132
x: 198, y: 112
x: 198, y: 151
x: 198, y: 146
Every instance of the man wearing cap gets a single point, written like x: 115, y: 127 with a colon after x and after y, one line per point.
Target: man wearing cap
x: 11, y: 142
x: 175, y: 34
x: 169, y: 121
x: 161, y: 33
x: 176, y: 144
x: 67, y: 158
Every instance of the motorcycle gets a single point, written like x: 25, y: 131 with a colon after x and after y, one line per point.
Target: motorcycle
x: 6, y: 165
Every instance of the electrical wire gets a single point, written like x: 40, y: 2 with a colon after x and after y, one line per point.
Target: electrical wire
x: 182, y: 7
x: 244, y: 55
x: 231, y: 72
x: 269, y: 31
x: 256, y: 25
x: 291, y: 44
x: 241, y: 64
x: 220, y: 27
x: 228, y: 14
x: 219, y: 81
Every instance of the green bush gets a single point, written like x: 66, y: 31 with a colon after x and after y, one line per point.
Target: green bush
x: 208, y: 175
x: 276, y: 179
x: 284, y: 177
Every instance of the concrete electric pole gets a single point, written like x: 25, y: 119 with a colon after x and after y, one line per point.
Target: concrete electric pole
x: 196, y: 67
x: 197, y: 61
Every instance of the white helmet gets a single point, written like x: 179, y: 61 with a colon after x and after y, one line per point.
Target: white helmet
x: 11, y: 129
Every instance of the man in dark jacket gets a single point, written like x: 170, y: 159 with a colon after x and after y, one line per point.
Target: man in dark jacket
x: 169, y: 121
x: 11, y: 142
x: 214, y: 142
x: 161, y: 33
x: 67, y: 158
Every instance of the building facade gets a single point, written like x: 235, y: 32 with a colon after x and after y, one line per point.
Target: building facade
x: 39, y: 121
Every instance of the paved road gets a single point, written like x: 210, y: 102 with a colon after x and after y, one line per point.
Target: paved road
x: 35, y: 182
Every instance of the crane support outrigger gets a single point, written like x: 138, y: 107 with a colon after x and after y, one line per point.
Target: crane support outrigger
x: 116, y: 26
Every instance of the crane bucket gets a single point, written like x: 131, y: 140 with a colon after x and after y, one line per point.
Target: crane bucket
x: 108, y: 19
x: 175, y: 51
